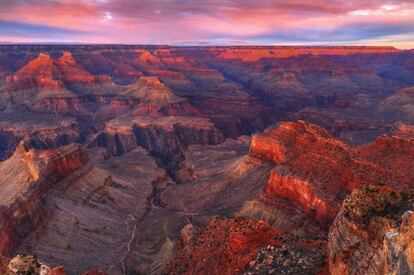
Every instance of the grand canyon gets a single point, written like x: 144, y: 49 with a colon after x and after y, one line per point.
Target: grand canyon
x: 121, y: 159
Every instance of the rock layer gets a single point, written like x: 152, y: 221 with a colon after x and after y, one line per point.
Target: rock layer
x: 373, y: 233
x: 316, y: 171
x: 28, y: 178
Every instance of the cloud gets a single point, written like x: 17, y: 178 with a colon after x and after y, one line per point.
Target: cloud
x: 208, y: 21
x: 10, y: 28
x: 348, y: 33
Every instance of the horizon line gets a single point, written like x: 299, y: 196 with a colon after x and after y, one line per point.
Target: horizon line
x: 7, y: 43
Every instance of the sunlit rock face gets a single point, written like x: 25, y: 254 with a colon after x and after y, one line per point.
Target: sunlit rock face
x: 157, y: 159
x: 316, y: 171
x: 255, y: 54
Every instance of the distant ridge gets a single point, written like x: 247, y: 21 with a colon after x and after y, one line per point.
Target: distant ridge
x: 227, y: 52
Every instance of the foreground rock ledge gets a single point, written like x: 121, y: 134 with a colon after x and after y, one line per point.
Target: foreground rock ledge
x: 373, y: 233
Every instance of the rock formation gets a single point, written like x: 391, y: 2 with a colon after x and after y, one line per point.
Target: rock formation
x: 40, y: 132
x: 373, y: 233
x: 28, y: 176
x: 255, y: 54
x: 165, y: 136
x: 148, y: 159
x: 316, y: 171
x: 400, y: 105
x: 230, y: 246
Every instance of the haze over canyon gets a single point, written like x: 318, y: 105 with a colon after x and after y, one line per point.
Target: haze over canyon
x: 122, y: 159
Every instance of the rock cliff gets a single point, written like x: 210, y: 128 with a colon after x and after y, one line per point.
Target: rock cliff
x: 28, y: 177
x: 373, y: 233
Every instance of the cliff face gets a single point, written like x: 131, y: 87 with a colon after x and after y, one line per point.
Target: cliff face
x: 316, y: 171
x: 299, y: 150
x: 373, y: 233
x: 254, y: 54
x: 164, y: 125
x: 231, y: 86
x: 28, y: 178
x: 301, y: 192
x: 312, y: 174
x: 399, y: 105
x: 50, y: 85
x: 288, y: 141
x: 44, y: 71
x: 41, y: 132
x: 165, y: 137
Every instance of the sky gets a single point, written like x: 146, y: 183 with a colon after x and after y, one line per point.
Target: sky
x: 209, y: 22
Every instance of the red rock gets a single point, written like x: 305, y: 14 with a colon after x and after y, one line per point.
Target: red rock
x: 70, y: 106
x: 300, y: 191
x: 3, y: 264
x: 403, y: 130
x: 60, y: 270
x: 179, y: 102
x: 289, y: 140
x: 250, y: 54
x: 47, y: 72
x: 95, y: 271
x: 224, y: 247
x: 315, y: 171
x: 71, y: 71
x: 150, y: 89
x: 229, y: 246
x: 146, y: 56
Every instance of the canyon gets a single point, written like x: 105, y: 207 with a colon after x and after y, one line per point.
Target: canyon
x: 121, y: 159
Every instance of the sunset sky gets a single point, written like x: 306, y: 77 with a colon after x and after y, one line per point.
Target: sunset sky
x: 209, y: 22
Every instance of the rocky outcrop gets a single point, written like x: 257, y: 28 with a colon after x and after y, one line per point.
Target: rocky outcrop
x: 36, y: 131
x: 289, y: 259
x: 25, y: 265
x: 229, y: 246
x: 224, y: 246
x: 44, y: 71
x: 28, y: 176
x: 53, y: 85
x: 156, y: 119
x: 300, y: 150
x: 165, y: 137
x: 150, y: 90
x: 29, y: 264
x: 399, y: 106
x: 403, y: 130
x: 288, y: 141
x: 355, y: 129
x: 300, y: 191
x: 316, y: 171
x: 373, y: 233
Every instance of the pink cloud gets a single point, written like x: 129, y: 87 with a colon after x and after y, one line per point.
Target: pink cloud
x: 172, y: 21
